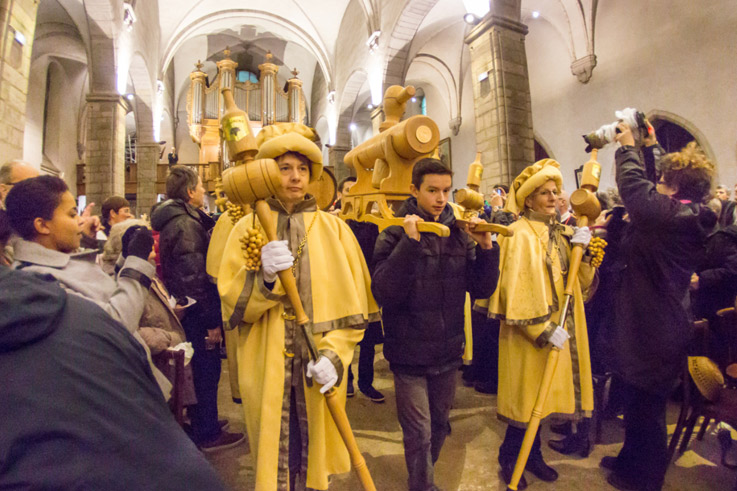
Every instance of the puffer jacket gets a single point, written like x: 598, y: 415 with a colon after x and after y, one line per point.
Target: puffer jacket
x: 184, y: 235
x: 422, y: 287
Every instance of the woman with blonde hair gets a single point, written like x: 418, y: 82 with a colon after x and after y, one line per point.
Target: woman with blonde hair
x: 533, y: 268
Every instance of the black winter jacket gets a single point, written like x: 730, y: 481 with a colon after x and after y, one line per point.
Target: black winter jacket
x: 80, y: 407
x: 183, y: 241
x: 717, y: 274
x: 421, y: 287
x: 660, y: 250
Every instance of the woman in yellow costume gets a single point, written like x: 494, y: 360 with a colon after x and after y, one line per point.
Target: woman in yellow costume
x: 292, y: 435
x: 528, y: 298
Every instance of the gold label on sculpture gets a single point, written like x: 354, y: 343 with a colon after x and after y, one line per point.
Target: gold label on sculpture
x: 596, y: 172
x: 235, y: 128
x: 423, y: 134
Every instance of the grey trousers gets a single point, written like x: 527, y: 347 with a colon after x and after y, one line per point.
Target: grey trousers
x: 423, y: 405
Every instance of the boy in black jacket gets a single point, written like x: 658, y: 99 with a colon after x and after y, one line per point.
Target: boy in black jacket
x: 421, y: 282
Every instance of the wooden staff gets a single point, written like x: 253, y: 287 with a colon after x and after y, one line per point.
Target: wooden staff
x: 587, y: 208
x: 254, y: 182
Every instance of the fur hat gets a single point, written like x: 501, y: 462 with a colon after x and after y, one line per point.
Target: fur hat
x: 529, y: 180
x: 277, y: 139
x: 707, y: 376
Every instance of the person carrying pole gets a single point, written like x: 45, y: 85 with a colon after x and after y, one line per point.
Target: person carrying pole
x: 528, y: 300
x: 295, y: 441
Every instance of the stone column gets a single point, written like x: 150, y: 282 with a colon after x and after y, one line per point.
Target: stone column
x: 17, y: 28
x: 147, y: 156
x: 336, y: 153
x: 226, y: 69
x: 268, y: 90
x: 105, y: 170
x: 501, y: 90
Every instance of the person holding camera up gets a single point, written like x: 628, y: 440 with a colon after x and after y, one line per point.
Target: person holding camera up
x: 668, y: 226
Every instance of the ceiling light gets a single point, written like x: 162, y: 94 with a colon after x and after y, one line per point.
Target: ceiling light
x: 535, y: 14
x: 373, y: 41
x: 414, y: 99
x: 471, y: 19
x: 129, y: 97
x: 352, y: 126
x: 331, y: 96
x: 370, y: 106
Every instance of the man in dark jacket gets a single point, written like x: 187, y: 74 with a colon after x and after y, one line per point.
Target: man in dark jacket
x: 80, y: 407
x: 421, y: 283
x: 714, y: 286
x: 662, y: 245
x: 184, y: 236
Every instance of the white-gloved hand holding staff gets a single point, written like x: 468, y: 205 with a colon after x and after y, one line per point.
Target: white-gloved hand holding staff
x: 559, y: 337
x: 324, y: 373
x: 275, y: 257
x: 581, y: 235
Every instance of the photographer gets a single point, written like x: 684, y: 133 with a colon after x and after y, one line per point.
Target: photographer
x: 668, y: 225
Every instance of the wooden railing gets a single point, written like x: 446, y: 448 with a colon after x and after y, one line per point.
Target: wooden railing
x: 207, y: 172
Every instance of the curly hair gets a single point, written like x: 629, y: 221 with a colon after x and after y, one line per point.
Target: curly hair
x: 689, y: 171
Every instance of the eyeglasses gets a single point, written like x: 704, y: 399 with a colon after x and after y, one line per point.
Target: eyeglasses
x: 547, y: 194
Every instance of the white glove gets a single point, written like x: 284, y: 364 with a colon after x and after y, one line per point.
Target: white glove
x: 581, y: 235
x: 559, y: 337
x: 275, y: 257
x: 324, y: 373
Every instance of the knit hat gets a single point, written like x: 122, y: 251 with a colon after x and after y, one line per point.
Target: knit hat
x: 277, y: 139
x: 706, y: 375
x: 529, y: 180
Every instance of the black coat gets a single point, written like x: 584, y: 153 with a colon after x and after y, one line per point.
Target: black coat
x: 660, y: 250
x: 717, y: 274
x: 183, y: 241
x: 80, y: 407
x: 422, y: 286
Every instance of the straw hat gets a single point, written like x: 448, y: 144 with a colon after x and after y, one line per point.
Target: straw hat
x: 707, y: 376
x: 529, y: 180
x: 277, y: 139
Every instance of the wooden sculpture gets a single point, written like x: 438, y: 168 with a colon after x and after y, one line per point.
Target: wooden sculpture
x: 383, y: 165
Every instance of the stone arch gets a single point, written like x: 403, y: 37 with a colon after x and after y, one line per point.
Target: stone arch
x: 144, y: 97
x: 315, y: 46
x: 659, y: 114
x: 101, y: 22
x: 445, y: 74
x: 322, y: 128
x: 347, y: 107
x: 398, y: 44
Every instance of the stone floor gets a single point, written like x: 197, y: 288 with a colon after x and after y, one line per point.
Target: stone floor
x: 468, y: 459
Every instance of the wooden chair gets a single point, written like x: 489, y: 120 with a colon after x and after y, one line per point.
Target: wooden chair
x: 696, y: 406
x: 728, y: 326
x: 175, y: 373
x: 700, y: 335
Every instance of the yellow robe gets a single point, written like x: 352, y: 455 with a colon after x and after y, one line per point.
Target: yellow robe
x: 525, y: 303
x: 334, y: 285
x: 219, y: 237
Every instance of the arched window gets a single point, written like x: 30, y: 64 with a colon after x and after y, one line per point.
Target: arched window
x: 671, y: 136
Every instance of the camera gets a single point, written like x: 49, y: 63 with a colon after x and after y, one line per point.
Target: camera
x: 600, y: 138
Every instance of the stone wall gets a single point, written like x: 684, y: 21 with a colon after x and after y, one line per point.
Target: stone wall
x: 15, y: 65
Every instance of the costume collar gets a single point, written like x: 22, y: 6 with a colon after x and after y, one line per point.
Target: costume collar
x: 535, y: 216
x: 307, y: 204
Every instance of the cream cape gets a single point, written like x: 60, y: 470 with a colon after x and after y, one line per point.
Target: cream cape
x: 524, y: 301
x: 219, y: 237
x: 335, y: 288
